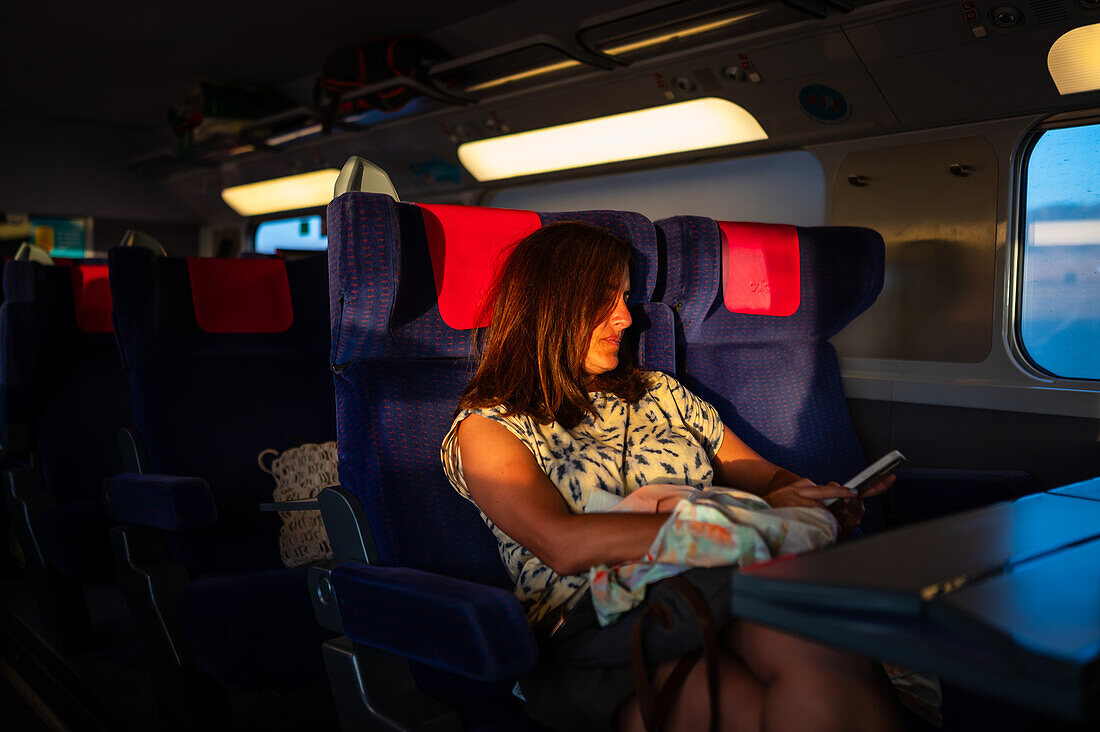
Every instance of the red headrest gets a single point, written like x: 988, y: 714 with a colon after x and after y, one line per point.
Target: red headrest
x: 240, y: 295
x: 760, y: 268
x: 91, y: 297
x: 468, y: 244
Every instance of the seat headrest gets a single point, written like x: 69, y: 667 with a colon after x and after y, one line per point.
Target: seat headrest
x: 28, y: 252
x: 360, y: 174
x: 774, y: 281
x: 240, y: 295
x: 468, y: 245
x: 760, y: 268
x: 423, y: 296
x: 91, y: 297
x: 141, y: 240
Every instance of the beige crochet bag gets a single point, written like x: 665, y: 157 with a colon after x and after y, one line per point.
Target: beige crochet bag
x: 300, y: 473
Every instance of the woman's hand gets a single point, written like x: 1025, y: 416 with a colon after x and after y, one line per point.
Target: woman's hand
x: 849, y: 512
x: 879, y: 486
x: 805, y: 493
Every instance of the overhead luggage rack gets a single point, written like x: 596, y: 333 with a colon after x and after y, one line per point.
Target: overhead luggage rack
x: 563, y: 51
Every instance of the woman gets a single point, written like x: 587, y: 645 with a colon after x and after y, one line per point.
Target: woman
x: 558, y: 425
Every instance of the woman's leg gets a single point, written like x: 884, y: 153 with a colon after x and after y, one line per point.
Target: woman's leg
x: 742, y: 695
x: 811, y: 687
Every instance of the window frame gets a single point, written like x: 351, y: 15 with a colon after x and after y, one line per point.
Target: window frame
x: 1017, y: 241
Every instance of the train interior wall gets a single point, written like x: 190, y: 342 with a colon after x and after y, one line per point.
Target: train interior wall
x: 992, y: 411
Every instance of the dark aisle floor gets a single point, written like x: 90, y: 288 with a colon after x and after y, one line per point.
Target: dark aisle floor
x: 107, y: 687
x: 18, y: 714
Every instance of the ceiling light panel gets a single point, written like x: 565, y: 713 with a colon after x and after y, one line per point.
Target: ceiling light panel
x: 305, y: 190
x: 694, y: 125
x: 1074, y: 60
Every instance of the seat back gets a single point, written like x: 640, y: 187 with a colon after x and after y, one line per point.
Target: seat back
x: 405, y: 284
x: 757, y: 304
x: 60, y: 372
x: 226, y: 358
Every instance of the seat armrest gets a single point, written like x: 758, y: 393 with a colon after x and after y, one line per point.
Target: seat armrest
x: 463, y: 627
x: 169, y: 502
x: 922, y: 494
x: 304, y: 504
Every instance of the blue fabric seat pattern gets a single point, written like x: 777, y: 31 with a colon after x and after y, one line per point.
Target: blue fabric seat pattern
x: 253, y: 630
x: 776, y: 380
x: 205, y: 405
x: 68, y: 387
x: 400, y: 370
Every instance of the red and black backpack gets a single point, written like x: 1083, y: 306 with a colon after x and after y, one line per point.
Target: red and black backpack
x: 358, y: 65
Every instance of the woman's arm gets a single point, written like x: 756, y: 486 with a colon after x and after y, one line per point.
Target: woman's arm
x: 507, y: 484
x: 737, y: 465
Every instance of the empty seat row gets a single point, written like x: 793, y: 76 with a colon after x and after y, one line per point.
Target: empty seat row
x: 220, y: 359
x: 62, y: 399
x: 226, y: 358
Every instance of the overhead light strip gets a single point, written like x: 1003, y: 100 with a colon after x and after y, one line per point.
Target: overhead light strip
x: 294, y: 135
x: 305, y: 190
x: 618, y: 50
x: 693, y: 125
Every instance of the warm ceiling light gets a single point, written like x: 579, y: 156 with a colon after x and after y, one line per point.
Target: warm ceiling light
x: 681, y: 34
x: 1074, y: 60
x: 282, y: 194
x: 619, y: 50
x: 694, y: 125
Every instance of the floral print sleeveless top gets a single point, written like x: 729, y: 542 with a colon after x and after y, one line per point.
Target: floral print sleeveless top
x: 669, y: 436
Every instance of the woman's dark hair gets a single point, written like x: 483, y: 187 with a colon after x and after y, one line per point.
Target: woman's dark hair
x: 554, y: 289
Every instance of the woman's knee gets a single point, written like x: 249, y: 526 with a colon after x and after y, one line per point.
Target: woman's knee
x: 741, y: 698
x: 770, y: 653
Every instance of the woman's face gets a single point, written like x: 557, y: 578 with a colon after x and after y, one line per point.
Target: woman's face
x: 603, y: 345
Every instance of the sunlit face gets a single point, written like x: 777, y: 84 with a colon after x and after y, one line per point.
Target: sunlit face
x: 603, y: 346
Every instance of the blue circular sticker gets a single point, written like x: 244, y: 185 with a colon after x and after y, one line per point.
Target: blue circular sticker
x: 823, y: 103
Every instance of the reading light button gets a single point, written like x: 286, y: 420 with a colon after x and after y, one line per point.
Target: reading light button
x: 684, y: 84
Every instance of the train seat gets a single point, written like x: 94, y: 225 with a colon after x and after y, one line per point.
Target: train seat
x: 757, y: 304
x: 226, y: 358
x: 63, y: 398
x: 432, y: 598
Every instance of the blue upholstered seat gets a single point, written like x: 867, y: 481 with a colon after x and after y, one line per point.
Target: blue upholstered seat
x: 208, y: 398
x: 775, y: 379
x: 399, y: 372
x: 63, y: 398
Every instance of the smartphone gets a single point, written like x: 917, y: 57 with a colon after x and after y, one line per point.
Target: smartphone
x: 885, y: 465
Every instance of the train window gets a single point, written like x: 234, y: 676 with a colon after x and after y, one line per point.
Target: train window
x: 1059, y: 316
x: 302, y: 233
x: 935, y: 204
x: 61, y: 237
x: 785, y: 188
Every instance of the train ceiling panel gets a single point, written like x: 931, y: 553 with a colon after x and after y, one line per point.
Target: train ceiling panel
x: 807, y: 71
x: 941, y: 65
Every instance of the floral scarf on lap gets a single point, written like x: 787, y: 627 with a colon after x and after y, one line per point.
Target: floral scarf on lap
x: 712, y: 528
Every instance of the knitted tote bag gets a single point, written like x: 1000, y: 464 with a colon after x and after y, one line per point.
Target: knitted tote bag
x: 300, y: 473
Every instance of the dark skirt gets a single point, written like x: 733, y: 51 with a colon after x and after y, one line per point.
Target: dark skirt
x: 584, y: 672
